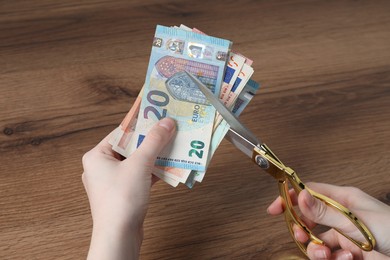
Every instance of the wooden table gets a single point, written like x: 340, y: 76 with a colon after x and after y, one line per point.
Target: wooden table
x: 70, y: 70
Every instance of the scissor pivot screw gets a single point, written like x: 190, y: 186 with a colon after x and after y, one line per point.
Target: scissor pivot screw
x: 262, y: 162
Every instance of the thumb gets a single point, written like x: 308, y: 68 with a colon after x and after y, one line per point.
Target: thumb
x: 318, y: 212
x: 156, y: 139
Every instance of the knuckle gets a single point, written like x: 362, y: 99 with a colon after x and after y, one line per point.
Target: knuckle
x: 321, y: 210
x: 87, y: 158
x: 353, y: 194
x: 354, y: 190
x: 310, y: 183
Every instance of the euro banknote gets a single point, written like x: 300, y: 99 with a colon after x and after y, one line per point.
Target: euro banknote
x: 243, y: 77
x: 245, y: 73
x: 168, y: 92
x: 189, y: 177
x: 233, y: 68
x: 246, y: 95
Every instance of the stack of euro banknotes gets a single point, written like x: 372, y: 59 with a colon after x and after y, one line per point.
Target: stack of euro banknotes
x: 169, y: 92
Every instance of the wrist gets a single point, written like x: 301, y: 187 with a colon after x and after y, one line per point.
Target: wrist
x: 113, y: 240
x: 117, y: 218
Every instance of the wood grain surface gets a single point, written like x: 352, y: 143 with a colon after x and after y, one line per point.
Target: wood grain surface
x: 70, y: 70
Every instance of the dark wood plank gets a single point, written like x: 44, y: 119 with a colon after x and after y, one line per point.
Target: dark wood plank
x: 69, y: 72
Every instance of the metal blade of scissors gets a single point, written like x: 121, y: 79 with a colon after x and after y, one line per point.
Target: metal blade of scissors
x: 238, y: 134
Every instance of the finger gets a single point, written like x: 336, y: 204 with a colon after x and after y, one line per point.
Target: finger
x: 330, y: 238
x: 334, y: 192
x: 334, y: 240
x: 300, y: 234
x: 328, y: 190
x: 308, y: 222
x: 315, y: 251
x: 277, y: 206
x: 156, y: 139
x: 342, y: 255
x: 317, y: 211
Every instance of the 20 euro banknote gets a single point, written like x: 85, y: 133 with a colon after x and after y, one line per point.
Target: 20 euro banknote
x: 169, y: 92
x: 173, y: 176
x: 243, y: 99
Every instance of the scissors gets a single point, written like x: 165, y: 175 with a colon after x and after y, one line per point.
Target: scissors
x: 262, y: 155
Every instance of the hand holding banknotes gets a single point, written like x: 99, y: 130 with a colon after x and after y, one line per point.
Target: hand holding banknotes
x: 118, y: 192
x: 370, y: 210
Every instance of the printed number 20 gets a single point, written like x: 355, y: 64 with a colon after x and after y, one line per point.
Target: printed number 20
x: 164, y: 100
x: 196, y: 145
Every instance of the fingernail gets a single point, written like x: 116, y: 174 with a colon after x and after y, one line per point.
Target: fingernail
x: 310, y: 200
x: 167, y: 123
x: 320, y: 254
x: 346, y: 256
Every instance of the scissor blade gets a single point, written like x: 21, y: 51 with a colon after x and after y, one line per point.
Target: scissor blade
x: 241, y: 143
x: 235, y: 124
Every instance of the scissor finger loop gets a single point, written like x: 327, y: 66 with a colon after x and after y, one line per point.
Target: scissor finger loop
x: 284, y: 175
x: 369, y: 244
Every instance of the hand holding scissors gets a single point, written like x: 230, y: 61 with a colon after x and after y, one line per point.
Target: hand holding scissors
x: 262, y: 156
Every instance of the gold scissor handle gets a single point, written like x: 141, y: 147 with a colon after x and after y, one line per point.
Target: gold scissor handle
x: 292, y: 218
x: 284, y: 175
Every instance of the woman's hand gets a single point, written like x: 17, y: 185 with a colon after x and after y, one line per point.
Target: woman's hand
x: 372, y: 212
x: 118, y: 192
